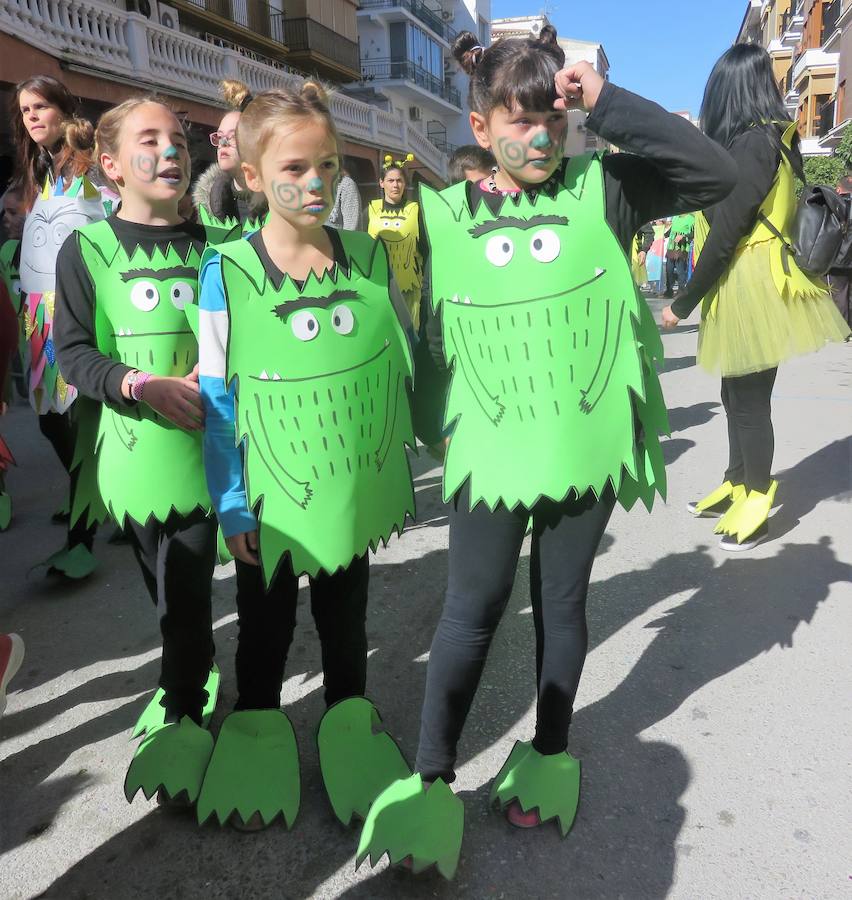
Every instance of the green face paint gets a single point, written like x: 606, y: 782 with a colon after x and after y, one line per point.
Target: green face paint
x: 171, y: 152
x: 315, y: 184
x: 549, y: 343
x: 144, y: 167
x: 146, y: 465
x: 322, y: 406
x: 286, y: 195
x: 541, y: 141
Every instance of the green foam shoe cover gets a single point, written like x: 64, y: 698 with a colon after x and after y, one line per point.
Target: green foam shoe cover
x: 173, y: 757
x: 410, y: 820
x: 358, y: 759
x: 254, y: 769
x: 154, y: 713
x: 76, y: 563
x: 550, y: 784
x: 5, y: 511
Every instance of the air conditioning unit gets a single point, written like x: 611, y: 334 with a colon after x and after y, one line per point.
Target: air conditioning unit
x: 414, y: 113
x: 147, y: 8
x: 447, y: 15
x: 169, y: 17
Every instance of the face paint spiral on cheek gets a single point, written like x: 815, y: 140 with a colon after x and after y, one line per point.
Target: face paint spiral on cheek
x: 144, y: 167
x: 513, y: 153
x: 287, y: 196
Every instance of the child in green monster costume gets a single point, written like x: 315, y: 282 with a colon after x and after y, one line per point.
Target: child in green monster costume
x: 554, y: 408
x: 305, y: 368
x: 125, y: 290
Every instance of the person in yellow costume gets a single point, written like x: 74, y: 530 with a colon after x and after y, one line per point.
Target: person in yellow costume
x: 758, y: 307
x: 397, y: 223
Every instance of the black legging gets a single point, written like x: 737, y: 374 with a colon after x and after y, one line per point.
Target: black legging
x: 751, y: 439
x: 61, y: 430
x: 483, y: 558
x: 267, y: 620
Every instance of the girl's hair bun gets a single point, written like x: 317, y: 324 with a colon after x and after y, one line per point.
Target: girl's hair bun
x: 80, y: 135
x: 547, y: 36
x: 314, y: 92
x: 468, y: 51
x: 236, y: 94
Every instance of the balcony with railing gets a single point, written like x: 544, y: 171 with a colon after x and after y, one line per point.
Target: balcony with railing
x: 256, y: 17
x: 424, y: 12
x: 311, y: 42
x: 407, y: 71
x: 102, y: 38
x: 830, y: 17
x: 824, y: 121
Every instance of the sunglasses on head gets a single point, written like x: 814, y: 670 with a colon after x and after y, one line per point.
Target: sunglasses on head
x: 220, y: 139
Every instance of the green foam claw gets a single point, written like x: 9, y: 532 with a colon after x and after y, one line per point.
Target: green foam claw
x: 410, y: 820
x: 254, y: 769
x: 550, y: 784
x: 358, y: 759
x: 5, y: 511
x: 76, y: 562
x: 154, y: 713
x: 173, y: 757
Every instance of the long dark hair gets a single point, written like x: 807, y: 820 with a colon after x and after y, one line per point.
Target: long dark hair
x: 515, y: 72
x: 34, y: 163
x: 742, y: 94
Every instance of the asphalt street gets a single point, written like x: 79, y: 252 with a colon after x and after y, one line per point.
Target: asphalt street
x: 714, y: 720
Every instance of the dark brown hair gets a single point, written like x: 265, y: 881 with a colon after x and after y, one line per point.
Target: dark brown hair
x: 34, y: 163
x: 469, y: 156
x: 518, y: 73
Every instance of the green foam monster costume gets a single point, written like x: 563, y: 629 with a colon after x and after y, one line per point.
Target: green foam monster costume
x: 322, y: 406
x: 146, y: 466
x: 229, y: 224
x: 553, y: 390
x: 550, y: 344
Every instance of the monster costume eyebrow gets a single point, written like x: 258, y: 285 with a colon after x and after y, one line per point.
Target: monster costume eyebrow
x: 283, y: 310
x: 515, y: 222
x: 161, y: 274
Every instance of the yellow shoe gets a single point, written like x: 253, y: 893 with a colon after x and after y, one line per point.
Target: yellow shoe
x: 751, y: 526
x: 727, y: 522
x: 715, y: 504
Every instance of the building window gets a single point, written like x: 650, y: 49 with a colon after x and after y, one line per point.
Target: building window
x: 484, y: 32
x: 425, y: 52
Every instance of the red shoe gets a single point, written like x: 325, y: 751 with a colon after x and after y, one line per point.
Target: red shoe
x: 521, y: 819
x: 11, y: 657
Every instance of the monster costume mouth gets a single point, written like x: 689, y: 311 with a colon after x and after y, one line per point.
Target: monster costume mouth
x: 275, y: 377
x: 127, y: 333
x: 466, y: 301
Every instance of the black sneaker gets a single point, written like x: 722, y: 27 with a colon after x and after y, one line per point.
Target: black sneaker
x: 730, y: 543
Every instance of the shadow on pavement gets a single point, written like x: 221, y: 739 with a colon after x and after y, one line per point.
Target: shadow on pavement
x: 676, y: 363
x: 682, y: 418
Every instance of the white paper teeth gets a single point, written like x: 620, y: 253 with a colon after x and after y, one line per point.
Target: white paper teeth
x: 263, y: 376
x: 276, y: 377
x: 599, y: 272
x: 467, y: 300
x: 121, y: 332
x: 128, y: 333
x: 455, y: 298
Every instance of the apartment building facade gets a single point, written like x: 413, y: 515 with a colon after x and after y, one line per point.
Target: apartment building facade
x: 107, y: 51
x: 809, y: 41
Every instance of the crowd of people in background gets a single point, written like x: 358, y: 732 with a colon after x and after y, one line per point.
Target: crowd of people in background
x: 239, y: 355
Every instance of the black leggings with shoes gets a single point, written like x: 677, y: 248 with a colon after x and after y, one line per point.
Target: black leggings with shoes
x: 267, y: 621
x: 751, y: 439
x: 483, y: 559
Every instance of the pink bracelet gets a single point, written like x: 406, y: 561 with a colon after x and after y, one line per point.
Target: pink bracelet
x: 138, y: 385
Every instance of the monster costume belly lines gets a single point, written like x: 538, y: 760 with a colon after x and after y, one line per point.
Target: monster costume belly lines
x: 322, y: 405
x: 555, y: 391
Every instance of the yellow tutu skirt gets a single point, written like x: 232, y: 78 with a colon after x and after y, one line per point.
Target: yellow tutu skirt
x: 749, y: 326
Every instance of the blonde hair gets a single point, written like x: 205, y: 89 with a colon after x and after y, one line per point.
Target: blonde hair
x: 270, y: 110
x: 108, y: 132
x: 234, y: 93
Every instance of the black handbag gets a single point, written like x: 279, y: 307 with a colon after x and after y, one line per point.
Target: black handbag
x: 821, y: 235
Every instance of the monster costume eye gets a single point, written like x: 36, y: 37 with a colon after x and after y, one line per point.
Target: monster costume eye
x: 386, y: 223
x: 342, y: 319
x: 545, y: 245
x: 60, y: 233
x: 499, y: 250
x: 305, y: 325
x: 16, y: 286
x: 144, y: 295
x: 39, y: 236
x: 182, y: 294
x: 397, y: 224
